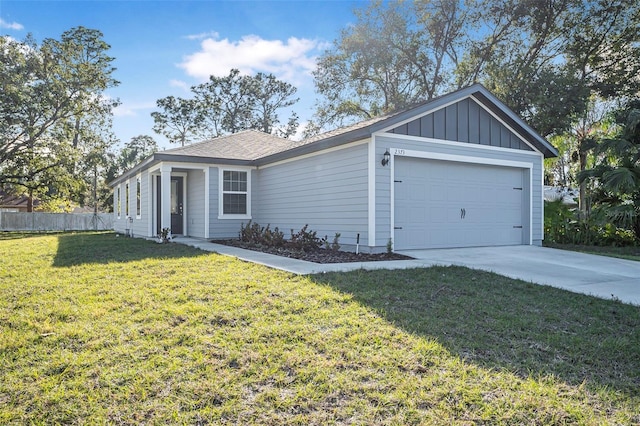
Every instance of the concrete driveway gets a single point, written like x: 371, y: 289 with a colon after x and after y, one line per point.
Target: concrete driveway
x: 600, y: 276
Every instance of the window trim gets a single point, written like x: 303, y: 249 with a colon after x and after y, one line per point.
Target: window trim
x: 139, y: 197
x: 127, y: 198
x: 119, y: 201
x: 221, y: 193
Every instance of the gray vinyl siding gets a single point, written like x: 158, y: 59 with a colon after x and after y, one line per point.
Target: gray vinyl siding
x: 195, y: 203
x: 327, y: 191
x: 383, y: 178
x: 226, y: 228
x: 139, y: 227
x: 463, y: 121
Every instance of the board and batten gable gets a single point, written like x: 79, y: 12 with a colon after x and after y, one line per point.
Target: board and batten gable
x: 327, y: 190
x: 463, y: 132
x: 463, y: 121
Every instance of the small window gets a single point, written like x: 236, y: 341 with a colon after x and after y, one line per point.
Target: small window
x: 118, y: 202
x: 126, y: 199
x: 235, y: 193
x: 138, y: 198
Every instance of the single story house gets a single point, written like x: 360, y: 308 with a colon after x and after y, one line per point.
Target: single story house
x: 15, y: 203
x: 460, y: 170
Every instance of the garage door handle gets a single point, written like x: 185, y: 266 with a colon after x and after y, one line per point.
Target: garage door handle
x: 519, y: 227
x: 463, y: 213
x: 397, y: 227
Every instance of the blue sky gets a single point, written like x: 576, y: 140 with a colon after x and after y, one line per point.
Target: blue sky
x: 162, y: 48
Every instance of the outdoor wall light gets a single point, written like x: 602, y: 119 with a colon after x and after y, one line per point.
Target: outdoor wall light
x: 386, y: 157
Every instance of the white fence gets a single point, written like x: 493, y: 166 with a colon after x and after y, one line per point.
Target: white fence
x: 20, y: 221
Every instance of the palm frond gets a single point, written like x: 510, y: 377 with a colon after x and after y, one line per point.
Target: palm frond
x: 621, y: 179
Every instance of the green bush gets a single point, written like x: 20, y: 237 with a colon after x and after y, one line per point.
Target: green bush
x: 255, y: 234
x: 563, y: 225
x: 304, y: 240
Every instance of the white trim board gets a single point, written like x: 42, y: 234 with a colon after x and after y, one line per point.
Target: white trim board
x: 207, y: 201
x: 400, y: 152
x: 459, y: 144
x: 371, y: 188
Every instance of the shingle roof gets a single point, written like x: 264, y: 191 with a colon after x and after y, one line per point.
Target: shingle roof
x: 20, y: 201
x: 245, y: 145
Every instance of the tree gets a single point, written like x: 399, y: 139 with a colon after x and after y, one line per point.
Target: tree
x: 603, y: 50
x: 48, y: 90
x: 226, y: 105
x: 180, y: 119
x: 395, y: 54
x: 618, y: 170
x: 270, y: 95
x: 136, y: 150
x: 238, y: 102
x: 544, y: 59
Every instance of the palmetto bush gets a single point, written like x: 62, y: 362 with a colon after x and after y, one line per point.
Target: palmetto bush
x: 605, y: 225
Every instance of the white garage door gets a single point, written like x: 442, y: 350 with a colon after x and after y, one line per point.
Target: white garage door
x: 442, y: 204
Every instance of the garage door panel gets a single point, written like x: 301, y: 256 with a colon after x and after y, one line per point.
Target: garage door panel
x: 446, y: 204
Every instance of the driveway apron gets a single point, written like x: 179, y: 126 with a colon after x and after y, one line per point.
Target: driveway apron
x: 599, y: 276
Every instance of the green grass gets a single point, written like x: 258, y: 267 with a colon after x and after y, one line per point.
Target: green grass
x: 100, y: 329
x: 629, y: 253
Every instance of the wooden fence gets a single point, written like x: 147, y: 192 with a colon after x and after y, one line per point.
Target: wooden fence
x: 20, y: 221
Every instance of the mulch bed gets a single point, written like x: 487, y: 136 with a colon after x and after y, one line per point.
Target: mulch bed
x: 317, y: 256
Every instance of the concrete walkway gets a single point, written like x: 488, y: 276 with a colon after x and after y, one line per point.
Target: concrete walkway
x: 599, y: 276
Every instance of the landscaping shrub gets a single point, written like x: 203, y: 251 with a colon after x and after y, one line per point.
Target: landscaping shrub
x: 334, y: 245
x: 255, y: 234
x: 563, y: 225
x: 303, y: 240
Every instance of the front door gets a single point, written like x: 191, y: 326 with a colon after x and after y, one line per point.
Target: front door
x: 177, y: 206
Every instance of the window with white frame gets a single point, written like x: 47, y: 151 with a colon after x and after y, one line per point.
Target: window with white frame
x: 235, y: 193
x: 138, y: 198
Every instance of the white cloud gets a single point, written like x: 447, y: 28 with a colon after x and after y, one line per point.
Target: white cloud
x: 10, y: 25
x: 292, y: 60
x: 132, y: 109
x: 202, y: 36
x: 180, y: 84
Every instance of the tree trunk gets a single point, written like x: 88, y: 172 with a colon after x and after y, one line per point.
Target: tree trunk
x: 30, y: 202
x: 582, y: 202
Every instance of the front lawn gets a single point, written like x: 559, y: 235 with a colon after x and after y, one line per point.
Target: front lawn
x: 103, y: 329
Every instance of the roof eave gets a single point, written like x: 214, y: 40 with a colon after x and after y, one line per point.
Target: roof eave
x: 159, y: 157
x: 320, y: 145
